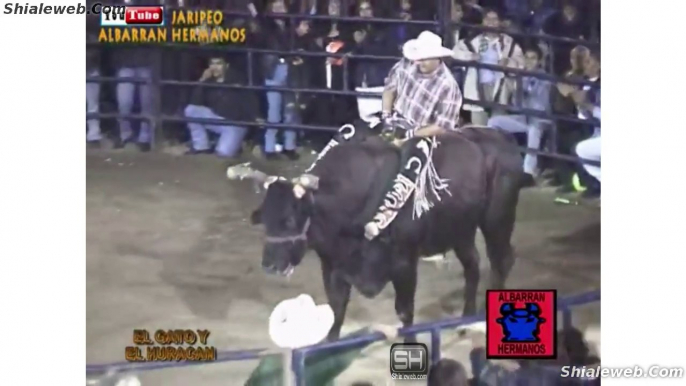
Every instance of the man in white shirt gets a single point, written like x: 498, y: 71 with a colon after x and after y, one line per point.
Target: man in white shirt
x: 588, y: 105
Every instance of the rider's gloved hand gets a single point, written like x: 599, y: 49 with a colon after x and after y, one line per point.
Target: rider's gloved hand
x: 387, y: 126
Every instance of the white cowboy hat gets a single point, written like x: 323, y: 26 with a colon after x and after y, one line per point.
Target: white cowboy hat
x: 427, y: 45
x: 299, y: 322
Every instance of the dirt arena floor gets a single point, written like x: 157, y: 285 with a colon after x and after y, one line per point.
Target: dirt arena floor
x: 169, y: 246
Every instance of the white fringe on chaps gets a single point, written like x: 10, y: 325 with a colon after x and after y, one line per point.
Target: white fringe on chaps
x: 418, y: 176
x: 428, y: 177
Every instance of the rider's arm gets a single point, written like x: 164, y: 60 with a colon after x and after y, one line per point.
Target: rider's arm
x: 429, y: 131
x: 387, y: 100
x: 391, y: 88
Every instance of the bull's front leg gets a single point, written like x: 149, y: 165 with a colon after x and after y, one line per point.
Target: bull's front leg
x: 404, y: 279
x: 338, y: 295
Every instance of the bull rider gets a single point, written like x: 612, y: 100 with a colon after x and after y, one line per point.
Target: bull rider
x: 421, y: 89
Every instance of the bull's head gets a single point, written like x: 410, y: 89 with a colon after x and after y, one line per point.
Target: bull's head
x: 286, y: 214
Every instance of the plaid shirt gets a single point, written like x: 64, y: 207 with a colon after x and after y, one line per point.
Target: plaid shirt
x: 425, y: 99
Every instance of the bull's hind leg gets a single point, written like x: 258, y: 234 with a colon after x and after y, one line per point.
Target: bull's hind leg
x: 500, y: 255
x: 466, y: 252
x: 404, y: 279
x: 497, y: 227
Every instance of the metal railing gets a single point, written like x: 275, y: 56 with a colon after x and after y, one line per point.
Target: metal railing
x: 298, y: 356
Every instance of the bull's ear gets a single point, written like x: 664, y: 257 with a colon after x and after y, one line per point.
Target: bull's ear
x: 256, y: 216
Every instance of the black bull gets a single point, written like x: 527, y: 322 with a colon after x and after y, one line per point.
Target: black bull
x: 322, y: 211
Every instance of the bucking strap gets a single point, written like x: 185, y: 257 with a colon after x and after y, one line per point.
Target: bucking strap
x: 347, y: 133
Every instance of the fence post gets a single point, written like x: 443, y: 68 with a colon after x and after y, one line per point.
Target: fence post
x: 444, y: 8
x: 566, y: 318
x: 435, y: 345
x: 155, y: 120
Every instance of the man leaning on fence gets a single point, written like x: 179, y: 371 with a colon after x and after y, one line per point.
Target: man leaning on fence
x: 492, y: 48
x: 535, y: 95
x: 220, y: 103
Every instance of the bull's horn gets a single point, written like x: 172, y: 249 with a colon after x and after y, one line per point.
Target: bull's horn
x: 309, y: 181
x: 243, y: 171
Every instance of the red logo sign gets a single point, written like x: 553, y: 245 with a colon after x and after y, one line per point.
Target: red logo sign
x: 144, y: 15
x: 521, y: 324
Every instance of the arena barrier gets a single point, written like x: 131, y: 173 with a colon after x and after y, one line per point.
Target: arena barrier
x: 441, y: 26
x: 565, y: 306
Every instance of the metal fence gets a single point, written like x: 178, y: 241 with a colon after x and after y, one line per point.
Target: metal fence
x: 442, y: 25
x: 297, y: 365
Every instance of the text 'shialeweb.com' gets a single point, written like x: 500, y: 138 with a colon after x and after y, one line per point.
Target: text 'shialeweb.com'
x: 44, y: 9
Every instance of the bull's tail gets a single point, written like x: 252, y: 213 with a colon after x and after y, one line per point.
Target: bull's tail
x: 497, y: 222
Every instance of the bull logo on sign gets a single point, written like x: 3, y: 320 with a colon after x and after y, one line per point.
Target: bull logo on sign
x: 520, y: 324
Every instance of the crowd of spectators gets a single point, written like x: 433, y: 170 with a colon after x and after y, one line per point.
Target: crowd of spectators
x: 572, y: 19
x: 573, y: 350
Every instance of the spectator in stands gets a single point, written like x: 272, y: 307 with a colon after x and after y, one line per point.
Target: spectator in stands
x: 577, y: 58
x: 511, y: 25
x: 535, y: 95
x: 456, y: 34
x: 572, y: 350
x: 303, y: 7
x: 567, y: 23
x: 568, y: 133
x: 299, y: 74
x: 234, y: 5
x: 334, y: 38
x: 403, y: 33
x: 447, y: 372
x: 488, y: 48
x: 370, y: 40
x: 473, y: 12
x: 586, y: 101
x: 93, y: 136
x: 588, y: 104
x: 220, y: 103
x: 587, y: 98
x: 275, y: 71
x: 133, y: 62
x: 539, y: 13
x: 531, y: 14
x: 331, y: 30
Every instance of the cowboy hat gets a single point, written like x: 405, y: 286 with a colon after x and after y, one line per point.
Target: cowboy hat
x: 427, y: 45
x: 299, y: 322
